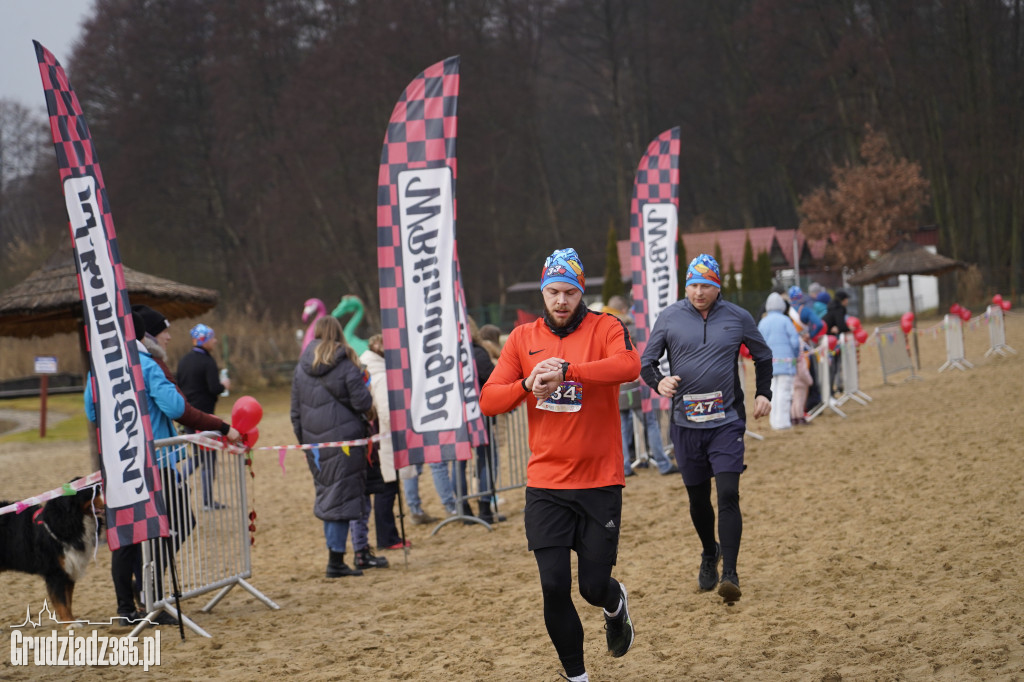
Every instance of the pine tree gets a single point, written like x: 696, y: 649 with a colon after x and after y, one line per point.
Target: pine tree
x: 729, y: 285
x: 748, y: 271
x: 613, y: 284
x: 764, y: 271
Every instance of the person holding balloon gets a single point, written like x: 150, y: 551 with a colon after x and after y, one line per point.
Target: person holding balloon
x: 835, y: 324
x: 329, y: 397
x: 166, y: 404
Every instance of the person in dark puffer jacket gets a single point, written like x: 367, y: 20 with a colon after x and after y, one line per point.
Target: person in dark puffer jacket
x: 329, y: 393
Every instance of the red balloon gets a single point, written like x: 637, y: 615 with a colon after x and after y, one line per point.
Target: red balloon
x: 250, y: 437
x: 833, y: 341
x: 853, y: 322
x: 1005, y: 304
x: 246, y: 414
x: 861, y: 335
x: 907, y: 316
x: 906, y: 325
x: 954, y: 309
x: 965, y: 314
x: 997, y: 299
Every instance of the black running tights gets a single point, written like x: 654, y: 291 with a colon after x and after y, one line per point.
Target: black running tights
x: 563, y: 623
x: 730, y: 522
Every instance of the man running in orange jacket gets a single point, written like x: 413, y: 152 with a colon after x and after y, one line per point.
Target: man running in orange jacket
x: 568, y: 367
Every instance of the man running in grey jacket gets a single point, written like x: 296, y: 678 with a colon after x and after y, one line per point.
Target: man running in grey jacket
x: 702, y: 335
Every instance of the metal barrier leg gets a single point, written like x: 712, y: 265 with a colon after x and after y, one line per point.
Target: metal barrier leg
x: 639, y: 439
x: 166, y: 608
x: 256, y: 593
x: 213, y: 602
x: 461, y: 499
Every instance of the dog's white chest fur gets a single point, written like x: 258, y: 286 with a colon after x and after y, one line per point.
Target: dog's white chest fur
x: 76, y: 561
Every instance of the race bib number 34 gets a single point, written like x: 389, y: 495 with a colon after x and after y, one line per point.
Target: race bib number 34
x: 568, y: 397
x: 704, y: 407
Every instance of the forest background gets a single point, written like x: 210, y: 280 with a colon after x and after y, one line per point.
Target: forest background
x: 240, y: 141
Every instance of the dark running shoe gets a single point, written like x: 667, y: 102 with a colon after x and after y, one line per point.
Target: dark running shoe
x: 366, y: 559
x: 708, y: 576
x: 619, y: 630
x: 729, y: 588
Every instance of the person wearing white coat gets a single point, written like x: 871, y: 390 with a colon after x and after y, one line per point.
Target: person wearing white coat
x: 383, y: 503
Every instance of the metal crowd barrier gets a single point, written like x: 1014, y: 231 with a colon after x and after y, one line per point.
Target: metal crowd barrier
x: 631, y: 400
x: 954, y: 344
x: 507, y: 455
x: 894, y: 351
x: 209, y: 548
x: 823, y: 380
x: 851, y: 372
x: 997, y: 333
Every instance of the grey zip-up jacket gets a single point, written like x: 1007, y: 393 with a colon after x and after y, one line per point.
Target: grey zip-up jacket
x: 703, y: 354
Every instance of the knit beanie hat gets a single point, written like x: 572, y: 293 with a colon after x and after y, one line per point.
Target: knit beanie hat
x: 201, y: 334
x: 140, y: 326
x: 153, y: 322
x: 563, y: 265
x: 704, y: 270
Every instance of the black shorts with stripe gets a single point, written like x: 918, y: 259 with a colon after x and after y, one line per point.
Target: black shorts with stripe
x: 586, y: 520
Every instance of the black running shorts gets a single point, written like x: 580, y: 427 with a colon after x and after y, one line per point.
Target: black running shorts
x: 587, y: 521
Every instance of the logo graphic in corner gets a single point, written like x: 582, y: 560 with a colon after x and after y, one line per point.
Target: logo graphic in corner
x: 65, y: 648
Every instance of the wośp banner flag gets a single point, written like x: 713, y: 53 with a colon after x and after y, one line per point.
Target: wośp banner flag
x: 432, y: 387
x: 653, y: 236
x: 134, y: 511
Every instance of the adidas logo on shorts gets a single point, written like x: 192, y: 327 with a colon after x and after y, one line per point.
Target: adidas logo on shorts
x: 610, y: 524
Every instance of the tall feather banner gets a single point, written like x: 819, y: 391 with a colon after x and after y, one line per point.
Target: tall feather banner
x: 432, y: 386
x: 653, y: 235
x: 134, y: 511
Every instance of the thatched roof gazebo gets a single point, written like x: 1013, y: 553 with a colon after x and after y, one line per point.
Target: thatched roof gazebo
x: 906, y: 258
x: 47, y: 301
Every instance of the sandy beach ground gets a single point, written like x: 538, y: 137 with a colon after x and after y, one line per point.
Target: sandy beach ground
x: 884, y: 546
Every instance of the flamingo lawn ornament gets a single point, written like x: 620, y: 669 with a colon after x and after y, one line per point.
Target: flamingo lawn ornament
x: 351, y: 304
x: 312, y: 310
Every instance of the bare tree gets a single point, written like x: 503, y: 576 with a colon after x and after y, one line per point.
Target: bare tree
x: 868, y: 206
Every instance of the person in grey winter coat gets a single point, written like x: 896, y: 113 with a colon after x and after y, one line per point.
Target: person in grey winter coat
x: 329, y: 393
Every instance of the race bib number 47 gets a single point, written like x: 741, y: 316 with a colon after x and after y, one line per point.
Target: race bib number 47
x: 704, y: 407
x: 568, y: 397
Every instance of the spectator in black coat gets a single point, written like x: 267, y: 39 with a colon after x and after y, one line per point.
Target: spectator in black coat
x: 329, y: 393
x: 835, y: 323
x: 199, y: 379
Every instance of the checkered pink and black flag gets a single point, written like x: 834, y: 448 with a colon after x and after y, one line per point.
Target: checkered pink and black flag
x: 653, y: 234
x: 134, y: 511
x: 431, y: 381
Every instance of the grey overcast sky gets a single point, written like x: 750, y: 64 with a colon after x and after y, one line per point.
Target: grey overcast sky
x: 54, y: 23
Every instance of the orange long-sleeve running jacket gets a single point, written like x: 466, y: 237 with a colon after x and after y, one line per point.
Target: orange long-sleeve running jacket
x: 569, y: 449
